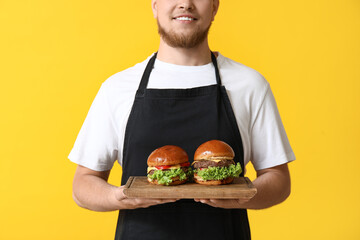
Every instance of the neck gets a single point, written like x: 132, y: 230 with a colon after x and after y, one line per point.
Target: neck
x: 199, y: 55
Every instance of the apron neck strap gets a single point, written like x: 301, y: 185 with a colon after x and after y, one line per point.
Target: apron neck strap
x: 150, y: 66
x: 214, y: 61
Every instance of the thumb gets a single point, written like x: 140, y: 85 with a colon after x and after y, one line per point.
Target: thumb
x: 119, y: 193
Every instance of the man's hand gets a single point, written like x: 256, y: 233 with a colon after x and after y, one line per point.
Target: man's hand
x: 92, y: 191
x: 273, y: 187
x: 132, y: 203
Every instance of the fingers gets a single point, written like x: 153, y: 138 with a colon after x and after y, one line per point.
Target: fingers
x: 201, y: 200
x: 168, y: 200
x: 205, y: 201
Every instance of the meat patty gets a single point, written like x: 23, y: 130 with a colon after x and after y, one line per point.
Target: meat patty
x: 208, y: 163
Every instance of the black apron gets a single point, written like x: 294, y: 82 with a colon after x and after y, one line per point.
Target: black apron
x: 185, y: 118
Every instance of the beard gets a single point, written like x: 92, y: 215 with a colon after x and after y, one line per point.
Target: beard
x: 183, y: 40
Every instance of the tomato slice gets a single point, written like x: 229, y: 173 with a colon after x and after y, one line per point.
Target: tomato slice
x: 186, y: 164
x: 163, y: 167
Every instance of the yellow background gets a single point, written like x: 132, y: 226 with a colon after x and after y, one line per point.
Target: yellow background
x: 56, y: 54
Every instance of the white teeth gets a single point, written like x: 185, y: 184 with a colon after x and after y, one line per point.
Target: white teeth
x: 184, y: 19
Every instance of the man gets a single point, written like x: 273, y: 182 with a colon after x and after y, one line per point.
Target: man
x: 184, y: 95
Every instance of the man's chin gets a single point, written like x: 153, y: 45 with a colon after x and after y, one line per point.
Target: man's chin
x: 186, y: 39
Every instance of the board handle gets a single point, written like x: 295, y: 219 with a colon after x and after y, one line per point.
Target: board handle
x: 127, y: 185
x: 250, y: 185
x: 129, y: 182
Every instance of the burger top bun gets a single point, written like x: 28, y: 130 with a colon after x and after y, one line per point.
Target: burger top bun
x: 213, y: 149
x: 167, y: 155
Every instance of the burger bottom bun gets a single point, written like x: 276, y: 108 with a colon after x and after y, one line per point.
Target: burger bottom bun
x: 199, y: 180
x: 174, y: 182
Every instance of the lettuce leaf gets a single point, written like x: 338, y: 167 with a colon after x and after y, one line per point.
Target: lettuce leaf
x: 219, y: 173
x: 165, y: 177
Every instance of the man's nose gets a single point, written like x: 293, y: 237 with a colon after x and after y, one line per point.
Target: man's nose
x: 186, y: 4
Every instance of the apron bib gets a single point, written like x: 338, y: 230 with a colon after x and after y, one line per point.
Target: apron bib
x: 185, y: 118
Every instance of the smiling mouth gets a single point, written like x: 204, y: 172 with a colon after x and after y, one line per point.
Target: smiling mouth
x: 185, y: 18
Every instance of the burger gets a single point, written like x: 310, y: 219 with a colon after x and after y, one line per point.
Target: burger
x: 214, y: 163
x: 168, y: 165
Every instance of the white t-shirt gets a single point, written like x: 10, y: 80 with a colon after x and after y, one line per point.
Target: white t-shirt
x: 101, y: 138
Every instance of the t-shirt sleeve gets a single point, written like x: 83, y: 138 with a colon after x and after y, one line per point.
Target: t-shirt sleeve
x: 96, y: 144
x: 269, y: 143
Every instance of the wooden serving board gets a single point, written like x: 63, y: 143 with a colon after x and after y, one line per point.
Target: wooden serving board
x: 139, y: 187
